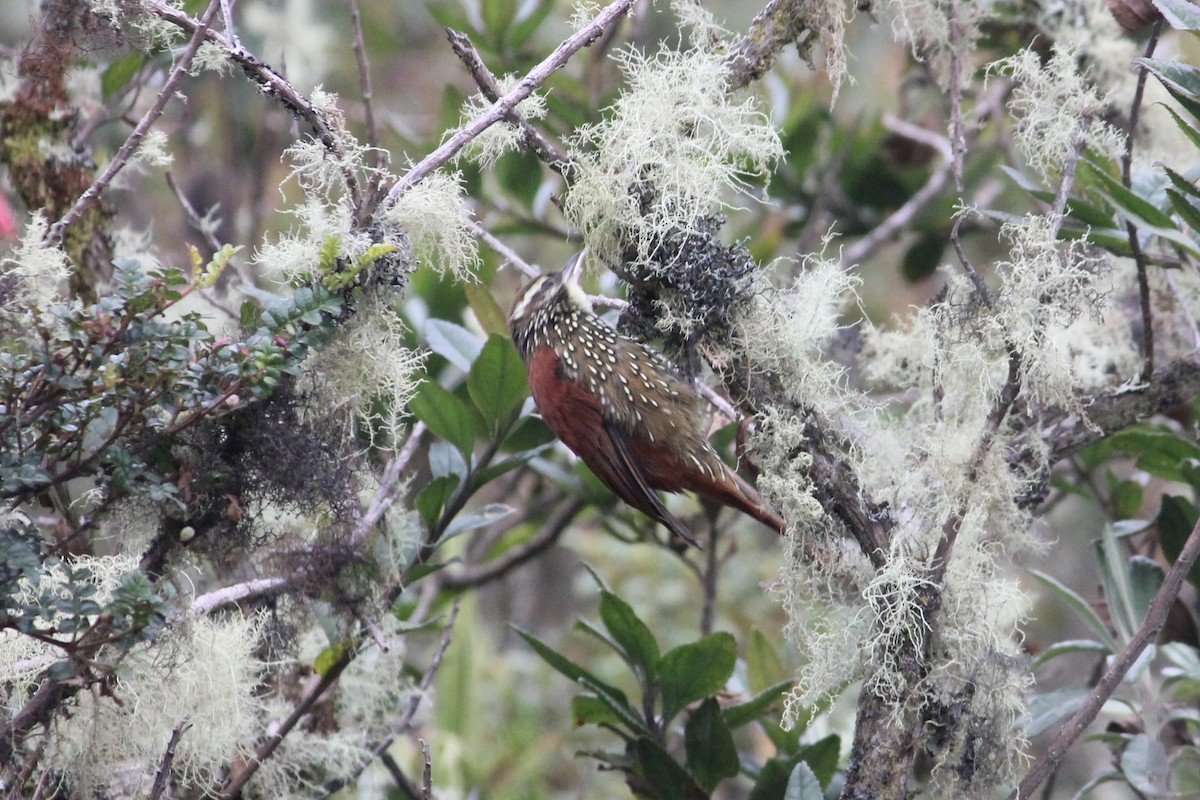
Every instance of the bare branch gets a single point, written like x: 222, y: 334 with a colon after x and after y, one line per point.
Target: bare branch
x: 776, y: 26
x: 502, y: 107
x: 272, y: 84
x: 164, y: 767
x: 406, y: 718
x: 57, y: 231
x: 541, y: 146
x: 509, y: 255
x: 247, y: 769
x: 478, y: 575
x: 1139, y: 258
x: 1156, y: 615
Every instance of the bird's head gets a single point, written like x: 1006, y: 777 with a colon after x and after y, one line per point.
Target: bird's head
x: 545, y: 296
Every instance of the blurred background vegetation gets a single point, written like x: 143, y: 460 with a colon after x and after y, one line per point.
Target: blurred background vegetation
x: 501, y: 723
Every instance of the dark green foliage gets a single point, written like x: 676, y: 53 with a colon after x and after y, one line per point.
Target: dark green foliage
x: 691, y: 676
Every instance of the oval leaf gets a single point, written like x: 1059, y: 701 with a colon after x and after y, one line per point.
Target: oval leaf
x: 694, y: 671
x: 445, y: 415
x: 711, y: 754
x: 497, y: 382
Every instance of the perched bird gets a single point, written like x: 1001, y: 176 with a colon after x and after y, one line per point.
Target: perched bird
x: 619, y: 405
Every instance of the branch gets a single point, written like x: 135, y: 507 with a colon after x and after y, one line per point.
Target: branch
x: 541, y: 146
x: 776, y: 26
x: 247, y: 769
x: 507, y: 253
x: 1156, y: 615
x: 1135, y: 245
x: 406, y: 718
x: 164, y: 767
x: 502, y: 107
x: 477, y: 575
x: 270, y: 82
x: 54, y: 236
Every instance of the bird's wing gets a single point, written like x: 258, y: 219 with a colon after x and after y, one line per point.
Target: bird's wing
x: 630, y: 483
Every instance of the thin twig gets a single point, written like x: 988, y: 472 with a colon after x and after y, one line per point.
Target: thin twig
x: 164, y: 767
x: 231, y: 36
x: 504, y: 251
x: 406, y: 718
x: 368, y: 101
x: 271, y: 83
x: 385, y: 495
x: 57, y: 231
x: 196, y: 220
x: 1156, y: 615
x: 538, y: 142
x: 1139, y: 258
x: 477, y: 575
x: 501, y: 108
x: 398, y: 777
x: 427, y: 772
x: 775, y: 27
x: 264, y: 751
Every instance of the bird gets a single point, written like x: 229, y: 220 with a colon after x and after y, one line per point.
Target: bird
x: 620, y: 405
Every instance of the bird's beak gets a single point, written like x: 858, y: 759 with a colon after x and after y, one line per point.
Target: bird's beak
x: 573, y: 271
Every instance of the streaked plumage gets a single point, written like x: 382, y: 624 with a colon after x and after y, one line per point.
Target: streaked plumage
x: 619, y: 405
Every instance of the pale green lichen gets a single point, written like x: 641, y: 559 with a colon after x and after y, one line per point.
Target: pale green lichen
x: 504, y: 136
x: 1057, y: 108
x: 203, y: 675
x: 434, y: 215
x: 34, y: 275
x: 367, y: 371
x: 668, y: 147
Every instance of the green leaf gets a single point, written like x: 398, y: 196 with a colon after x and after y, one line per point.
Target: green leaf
x: 822, y: 756
x: 445, y: 415
x: 497, y: 16
x: 663, y: 775
x: 1176, y: 518
x: 1139, y: 211
x: 433, y: 498
x: 711, y: 754
x: 1070, y: 646
x: 118, y: 74
x: 453, y: 342
x: 613, y: 697
x: 1159, y: 451
x: 497, y: 382
x: 764, y: 668
x: 1181, y: 183
x: 1082, y: 608
x: 803, y: 784
x: 739, y: 715
x: 1049, y: 709
x: 1182, y: 15
x: 588, y: 709
x: 1181, y: 80
x: 1186, y: 211
x: 636, y: 641
x: 1115, y: 572
x: 1145, y: 578
x: 479, y: 518
x: 528, y: 23
x: 694, y: 671
x: 1189, y: 131
x: 1144, y: 762
x: 491, y: 317
x: 330, y: 656
x: 924, y: 256
x: 520, y: 175
x: 773, y: 779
